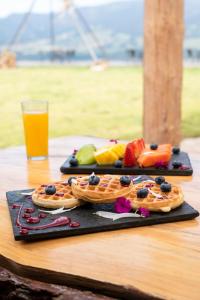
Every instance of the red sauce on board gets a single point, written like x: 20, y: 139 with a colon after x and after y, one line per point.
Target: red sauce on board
x: 24, y: 229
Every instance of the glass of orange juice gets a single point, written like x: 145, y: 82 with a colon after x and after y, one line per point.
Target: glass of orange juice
x: 35, y: 118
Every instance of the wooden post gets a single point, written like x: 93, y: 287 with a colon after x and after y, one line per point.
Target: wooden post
x: 163, y: 43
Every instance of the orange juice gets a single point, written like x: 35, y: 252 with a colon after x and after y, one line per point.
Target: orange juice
x: 36, y: 133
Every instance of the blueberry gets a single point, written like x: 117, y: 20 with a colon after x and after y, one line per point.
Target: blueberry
x: 94, y: 180
x: 176, y: 150
x: 159, y: 180
x: 154, y: 146
x: 166, y: 187
x: 176, y: 164
x: 142, y: 193
x: 125, y: 180
x: 73, y: 162
x: 50, y: 190
x: 118, y: 164
x: 70, y: 180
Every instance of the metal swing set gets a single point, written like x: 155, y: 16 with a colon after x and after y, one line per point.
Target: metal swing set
x: 87, y: 34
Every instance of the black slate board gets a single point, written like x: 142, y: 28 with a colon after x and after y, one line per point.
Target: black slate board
x: 88, y: 169
x: 88, y: 221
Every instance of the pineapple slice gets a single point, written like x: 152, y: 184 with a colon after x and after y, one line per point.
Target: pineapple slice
x: 105, y: 156
x: 119, y: 149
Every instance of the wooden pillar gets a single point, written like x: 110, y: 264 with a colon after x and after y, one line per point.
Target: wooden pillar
x: 163, y: 44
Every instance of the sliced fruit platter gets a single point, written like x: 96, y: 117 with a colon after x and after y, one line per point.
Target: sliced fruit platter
x: 135, y: 157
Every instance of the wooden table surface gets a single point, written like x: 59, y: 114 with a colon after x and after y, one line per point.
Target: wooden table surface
x: 160, y: 261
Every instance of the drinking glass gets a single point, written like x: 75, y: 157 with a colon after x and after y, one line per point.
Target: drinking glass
x: 35, y: 119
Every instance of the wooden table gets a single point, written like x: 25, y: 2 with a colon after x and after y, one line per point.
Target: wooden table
x: 161, y: 261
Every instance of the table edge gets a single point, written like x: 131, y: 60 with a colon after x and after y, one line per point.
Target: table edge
x: 75, y: 281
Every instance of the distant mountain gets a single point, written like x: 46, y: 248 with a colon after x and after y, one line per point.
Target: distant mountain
x: 119, y: 27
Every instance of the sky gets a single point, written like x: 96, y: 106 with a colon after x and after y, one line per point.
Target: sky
x: 17, y: 6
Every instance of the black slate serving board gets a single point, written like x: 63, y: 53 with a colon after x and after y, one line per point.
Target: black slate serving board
x: 89, y: 222
x: 107, y: 169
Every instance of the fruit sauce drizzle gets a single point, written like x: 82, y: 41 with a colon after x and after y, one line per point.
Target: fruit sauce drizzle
x: 24, y: 229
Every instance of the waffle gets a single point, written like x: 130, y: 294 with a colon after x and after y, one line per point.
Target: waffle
x: 168, y: 201
x: 62, y: 198
x: 108, y: 189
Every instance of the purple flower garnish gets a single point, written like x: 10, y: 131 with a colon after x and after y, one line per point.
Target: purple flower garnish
x: 161, y: 165
x: 144, y: 212
x: 114, y: 141
x: 122, y: 205
x: 75, y: 151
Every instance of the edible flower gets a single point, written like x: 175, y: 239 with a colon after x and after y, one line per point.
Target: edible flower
x: 144, y: 212
x: 122, y: 205
x: 114, y: 141
x: 75, y: 151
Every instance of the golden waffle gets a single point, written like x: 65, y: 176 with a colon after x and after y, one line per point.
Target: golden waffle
x: 62, y: 198
x: 167, y: 202
x: 108, y: 189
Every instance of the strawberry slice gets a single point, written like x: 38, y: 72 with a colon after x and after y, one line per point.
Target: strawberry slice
x: 142, y: 143
x: 138, y: 146
x: 129, y: 156
x: 133, y: 151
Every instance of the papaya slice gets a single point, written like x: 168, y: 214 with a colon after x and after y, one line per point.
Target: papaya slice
x: 149, y: 158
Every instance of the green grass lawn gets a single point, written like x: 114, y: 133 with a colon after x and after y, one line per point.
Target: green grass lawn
x: 106, y: 104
